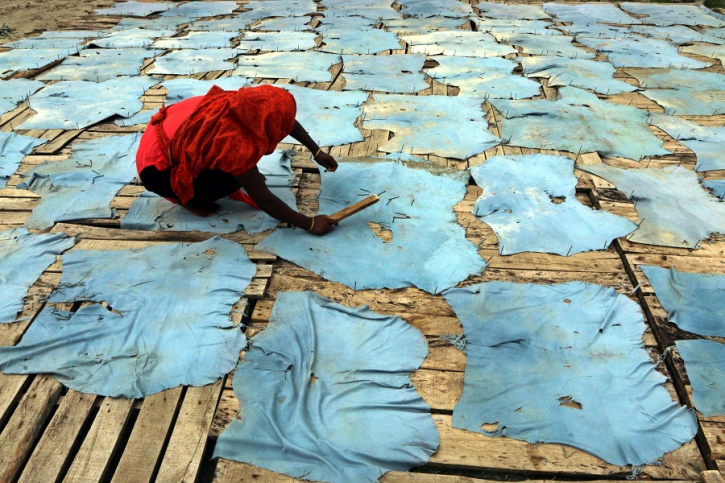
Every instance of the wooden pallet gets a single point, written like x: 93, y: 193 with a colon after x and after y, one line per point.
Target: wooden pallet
x: 49, y: 433
x: 705, y: 260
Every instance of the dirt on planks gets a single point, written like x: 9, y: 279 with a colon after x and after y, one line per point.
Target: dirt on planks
x: 26, y: 18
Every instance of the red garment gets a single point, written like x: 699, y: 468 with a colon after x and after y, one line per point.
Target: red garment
x: 226, y: 130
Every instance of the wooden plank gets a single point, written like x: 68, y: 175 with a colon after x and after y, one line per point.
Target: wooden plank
x: 289, y: 277
x: 714, y: 434
x: 53, y: 453
x: 98, y: 233
x: 711, y: 476
x: 142, y: 454
x: 25, y: 425
x: 182, y: 459
x: 232, y: 471
x: 58, y: 143
x: 460, y: 449
x: 465, y: 449
x: 12, y: 387
x: 101, y: 443
x: 101, y: 244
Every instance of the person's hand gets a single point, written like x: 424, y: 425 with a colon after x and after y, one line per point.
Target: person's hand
x: 326, y: 161
x: 321, y: 225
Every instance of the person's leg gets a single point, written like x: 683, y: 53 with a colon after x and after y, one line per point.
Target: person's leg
x: 211, y: 185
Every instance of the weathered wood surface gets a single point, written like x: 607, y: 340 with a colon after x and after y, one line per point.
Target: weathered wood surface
x: 57, y: 436
x: 460, y: 449
x: 232, y: 472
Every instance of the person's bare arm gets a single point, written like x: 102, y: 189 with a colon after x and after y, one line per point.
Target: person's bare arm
x: 253, y: 183
x: 323, y: 159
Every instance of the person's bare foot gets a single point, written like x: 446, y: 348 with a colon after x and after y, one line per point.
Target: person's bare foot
x: 204, y: 211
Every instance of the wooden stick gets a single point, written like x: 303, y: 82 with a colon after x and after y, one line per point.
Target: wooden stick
x: 354, y: 208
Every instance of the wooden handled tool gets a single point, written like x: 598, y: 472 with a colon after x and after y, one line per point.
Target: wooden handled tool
x: 355, y: 208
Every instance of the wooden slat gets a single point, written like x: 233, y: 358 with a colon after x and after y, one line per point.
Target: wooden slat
x: 465, y: 449
x: 93, y: 460
x: 232, y: 472
x: 11, y: 390
x: 98, y: 233
x: 460, y: 449
x: 142, y: 454
x: 25, y: 425
x: 714, y: 434
x: 183, y: 455
x: 58, y: 143
x: 711, y: 476
x: 53, y: 453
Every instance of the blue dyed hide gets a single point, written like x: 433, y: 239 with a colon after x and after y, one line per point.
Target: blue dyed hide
x: 386, y: 73
x: 705, y: 366
x: 678, y: 34
x: 13, y: 148
x: 136, y: 9
x: 197, y: 40
x: 151, y: 212
x: 318, y: 110
x: 428, y: 249
x: 708, y: 143
x: 530, y: 202
x: 559, y: 363
x: 284, y: 24
x: 483, y: 78
x: 578, y: 121
x: 298, y: 66
x: 183, y: 88
x: 278, y: 41
x: 641, y: 52
x: 515, y: 27
x: 191, y: 61
x: 589, y: 13
x: 201, y: 9
x: 160, y: 23
x: 65, y: 105
x: 597, y: 30
x: 452, y: 127
x: 666, y: 15
x: 432, y: 8
x: 18, y: 60
x: 360, y: 41
x: 83, y: 185
x: 693, y: 301
x: 714, y: 51
x: 457, y: 42
x: 234, y: 24
x: 134, y: 38
x: 673, y: 208
x: 326, y: 394
x: 683, y: 92
x: 279, y: 8
x: 23, y: 258
x: 14, y: 91
x: 558, y: 45
x: 369, y: 9
x: 413, y: 25
x: 69, y: 45
x: 149, y: 337
x: 587, y: 74
x: 511, y: 11
x: 101, y: 64
x: 717, y: 186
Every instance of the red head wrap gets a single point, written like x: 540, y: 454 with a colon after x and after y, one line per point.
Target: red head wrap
x: 229, y: 131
